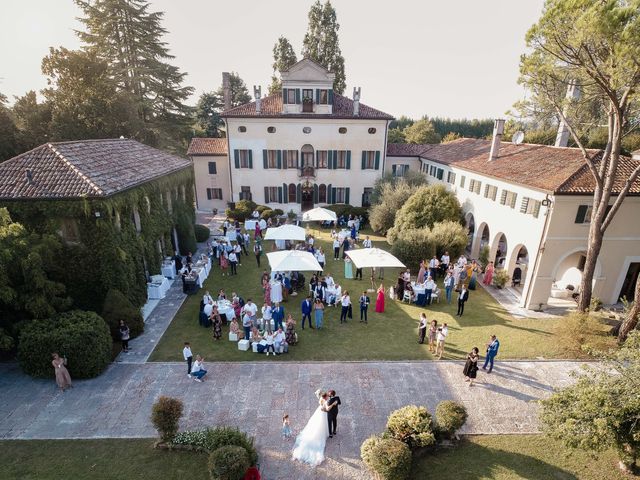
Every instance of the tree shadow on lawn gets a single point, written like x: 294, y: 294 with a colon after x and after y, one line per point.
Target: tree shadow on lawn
x: 470, y: 460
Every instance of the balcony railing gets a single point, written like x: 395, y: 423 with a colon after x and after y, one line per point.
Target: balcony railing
x: 307, y: 172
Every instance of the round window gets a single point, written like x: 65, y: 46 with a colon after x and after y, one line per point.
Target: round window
x: 242, y: 129
x: 271, y: 129
x: 372, y: 130
x: 306, y: 130
x: 342, y: 130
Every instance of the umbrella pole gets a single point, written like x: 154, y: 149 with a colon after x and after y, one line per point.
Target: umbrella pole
x: 373, y: 286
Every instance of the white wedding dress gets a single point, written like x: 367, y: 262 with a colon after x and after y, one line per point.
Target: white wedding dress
x: 310, y: 443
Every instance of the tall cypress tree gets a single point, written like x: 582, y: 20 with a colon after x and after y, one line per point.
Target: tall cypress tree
x: 126, y: 35
x: 283, y: 58
x: 321, y: 42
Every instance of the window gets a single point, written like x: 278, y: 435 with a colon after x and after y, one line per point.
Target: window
x: 242, y: 129
x: 291, y: 96
x: 271, y: 194
x: 69, y: 230
x: 341, y: 195
x: 462, y: 179
x: 323, y: 97
x: 451, y: 178
x: 306, y: 130
x: 585, y: 212
x: 271, y: 129
x: 245, y: 193
x: 530, y: 206
x: 307, y: 94
x: 440, y: 174
x: 322, y: 193
x: 291, y: 158
x: 432, y: 170
x: 212, y: 168
x: 490, y: 191
x: 372, y: 130
x: 342, y: 130
x: 508, y: 198
x: 369, y: 159
x: 214, y: 194
x: 272, y: 159
x: 341, y: 159
x: 243, y: 159
x: 135, y: 219
x: 322, y: 158
x: 399, y: 170
x: 366, y: 196
x: 474, y: 186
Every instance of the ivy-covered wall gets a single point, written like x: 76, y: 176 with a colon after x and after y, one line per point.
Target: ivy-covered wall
x: 111, y: 253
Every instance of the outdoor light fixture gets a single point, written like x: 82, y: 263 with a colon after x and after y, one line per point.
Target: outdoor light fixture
x: 546, y: 202
x: 97, y: 214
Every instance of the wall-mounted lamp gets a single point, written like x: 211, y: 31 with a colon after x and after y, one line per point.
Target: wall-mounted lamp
x: 97, y: 214
x: 546, y: 202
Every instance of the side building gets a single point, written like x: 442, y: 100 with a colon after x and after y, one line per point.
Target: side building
x: 119, y: 207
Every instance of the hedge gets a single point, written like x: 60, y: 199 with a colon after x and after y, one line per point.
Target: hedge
x: 450, y: 416
x: 413, y: 246
x: 213, y: 438
x: 411, y: 425
x: 388, y: 457
x: 118, y: 307
x: 202, y: 233
x: 82, y: 337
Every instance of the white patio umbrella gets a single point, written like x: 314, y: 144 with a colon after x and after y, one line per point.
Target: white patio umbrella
x: 373, y: 258
x: 319, y: 214
x: 285, y: 232
x: 293, y: 261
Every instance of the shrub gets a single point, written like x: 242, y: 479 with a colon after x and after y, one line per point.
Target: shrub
x: 118, y: 307
x: 500, y: 278
x: 412, y: 246
x: 392, y: 196
x: 411, y: 425
x: 450, y: 416
x: 427, y: 206
x: 279, y: 212
x: 213, y: 438
x: 262, y: 208
x: 243, y: 210
x: 483, y: 257
x: 346, y: 210
x: 202, y: 233
x: 165, y: 415
x: 449, y: 236
x: 291, y: 215
x: 82, y: 337
x: 267, y: 214
x: 580, y: 333
x: 228, y: 463
x: 388, y: 457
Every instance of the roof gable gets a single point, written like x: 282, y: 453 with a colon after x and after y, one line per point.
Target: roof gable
x: 306, y: 70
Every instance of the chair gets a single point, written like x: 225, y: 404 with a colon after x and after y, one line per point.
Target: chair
x: 407, y: 296
x: 517, y: 277
x: 435, y: 296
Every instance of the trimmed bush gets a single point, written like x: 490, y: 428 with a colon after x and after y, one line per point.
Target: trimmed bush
x: 426, y: 207
x: 449, y: 236
x: 213, y: 438
x: 118, y: 307
x: 412, y: 246
x: 392, y: 196
x: 262, y: 208
x: 267, y: 214
x: 202, y: 233
x: 279, y: 212
x: 388, y: 457
x: 450, y: 416
x: 411, y: 425
x: 82, y: 337
x: 165, y: 416
x: 228, y: 463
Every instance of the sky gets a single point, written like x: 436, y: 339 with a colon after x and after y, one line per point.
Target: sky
x: 452, y: 58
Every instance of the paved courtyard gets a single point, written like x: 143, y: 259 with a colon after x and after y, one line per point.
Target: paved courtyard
x: 253, y: 397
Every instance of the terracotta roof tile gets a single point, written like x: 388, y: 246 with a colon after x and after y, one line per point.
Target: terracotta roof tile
x: 207, y: 146
x: 271, y: 106
x: 86, y: 168
x: 406, y: 149
x: 582, y: 181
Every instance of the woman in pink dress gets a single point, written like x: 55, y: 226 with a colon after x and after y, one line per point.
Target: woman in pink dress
x: 224, y: 263
x: 63, y: 379
x: 488, y: 274
x: 380, y: 299
x: 421, y: 273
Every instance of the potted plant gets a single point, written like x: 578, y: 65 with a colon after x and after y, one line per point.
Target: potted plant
x: 500, y: 278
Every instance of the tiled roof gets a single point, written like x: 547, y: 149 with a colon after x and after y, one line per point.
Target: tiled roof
x: 271, y: 106
x: 207, y: 146
x: 85, y: 168
x: 406, y: 149
x: 555, y: 169
x: 582, y: 181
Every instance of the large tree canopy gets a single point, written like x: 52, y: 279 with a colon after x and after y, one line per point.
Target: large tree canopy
x: 421, y: 132
x: 283, y: 58
x: 9, y: 145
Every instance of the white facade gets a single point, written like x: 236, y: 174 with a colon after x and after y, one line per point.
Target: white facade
x: 212, y: 181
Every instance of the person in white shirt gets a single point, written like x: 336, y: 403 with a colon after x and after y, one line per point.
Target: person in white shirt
x: 429, y: 288
x: 263, y: 224
x: 462, y: 261
x: 225, y: 227
x: 251, y: 308
x: 310, y: 240
x: 406, y: 276
x: 238, y: 251
x: 336, y: 249
x: 280, y: 340
x: 270, y: 341
x: 198, y: 371
x: 266, y: 317
x: 444, y: 262
x: 329, y: 280
x: 255, y: 214
x: 367, y: 242
x: 206, y: 298
x: 233, y: 261
x: 345, y: 300
x: 208, y: 308
x: 320, y: 257
x: 441, y: 337
x: 188, y: 356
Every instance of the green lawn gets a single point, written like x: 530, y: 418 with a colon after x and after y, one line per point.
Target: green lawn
x: 388, y: 336
x: 511, y: 457
x: 97, y: 460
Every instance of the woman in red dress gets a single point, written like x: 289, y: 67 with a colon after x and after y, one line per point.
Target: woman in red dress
x: 380, y: 299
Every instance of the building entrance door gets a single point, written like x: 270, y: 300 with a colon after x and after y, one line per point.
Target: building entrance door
x: 307, y: 200
x: 629, y: 284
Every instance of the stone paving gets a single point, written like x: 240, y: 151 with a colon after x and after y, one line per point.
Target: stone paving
x: 254, y: 396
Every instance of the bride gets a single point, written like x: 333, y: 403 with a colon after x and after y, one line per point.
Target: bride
x: 309, y: 447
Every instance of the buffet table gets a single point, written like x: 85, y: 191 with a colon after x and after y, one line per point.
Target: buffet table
x: 168, y: 268
x: 250, y: 225
x: 157, y: 289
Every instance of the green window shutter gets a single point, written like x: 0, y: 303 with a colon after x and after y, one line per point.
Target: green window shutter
x: 330, y: 96
x: 265, y: 163
x: 582, y: 212
x: 279, y: 194
x: 250, y: 158
x: 330, y: 159
x: 298, y: 155
x: 348, y: 159
x: 299, y: 193
x: 298, y: 96
x: 285, y: 159
x: 503, y: 198
x: 315, y: 193
x: 346, y: 195
x: 333, y: 195
x: 317, y: 95
x: 524, y: 205
x: 329, y: 193
x: 317, y: 158
x: 377, y: 159
x: 364, y: 160
x: 335, y: 159
x: 284, y: 95
x: 285, y: 194
x: 236, y: 158
x: 279, y: 160
x: 266, y: 194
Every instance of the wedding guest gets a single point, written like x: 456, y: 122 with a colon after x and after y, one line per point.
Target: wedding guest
x: 320, y: 256
x: 364, y: 307
x: 473, y: 274
x: 246, y: 325
x: 277, y: 312
x: 492, y: 351
x: 224, y: 262
x: 433, y: 332
x: 380, y: 299
x: 320, y: 291
x: 217, y: 324
x: 345, y: 247
x: 188, y: 357
x: 266, y: 317
x: 367, y: 242
x: 257, y: 251
x: 63, y: 379
x: 270, y: 348
x: 318, y: 308
x: 252, y: 309
x: 235, y: 328
x: 286, y: 427
x: 222, y: 295
x: 441, y: 338
x: 470, y: 370
x: 198, y: 370
x: 429, y: 288
x: 445, y: 260
x: 207, y: 298
x: 358, y: 274
x: 488, y: 274
x: 348, y: 268
x: 233, y: 261
x: 332, y: 301
x: 280, y: 341
x: 306, y: 311
x: 448, y: 286
x: 433, y: 267
x: 463, y: 296
x: 345, y: 301
x: 124, y: 335
x: 336, y: 248
x: 421, y: 273
x: 406, y: 276
x: 290, y: 335
x: 422, y: 328
x: 208, y: 308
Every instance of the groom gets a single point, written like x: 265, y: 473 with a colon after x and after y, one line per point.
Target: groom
x: 332, y: 415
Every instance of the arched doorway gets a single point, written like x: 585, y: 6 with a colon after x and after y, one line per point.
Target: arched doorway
x: 518, y: 264
x: 567, y: 274
x: 498, y: 252
x: 306, y: 195
x: 471, y: 230
x: 292, y: 193
x: 482, y: 240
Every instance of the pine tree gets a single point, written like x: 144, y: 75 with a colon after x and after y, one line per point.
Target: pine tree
x: 321, y: 43
x: 208, y: 114
x: 128, y: 37
x: 283, y: 58
x: 8, y: 132
x: 239, y: 92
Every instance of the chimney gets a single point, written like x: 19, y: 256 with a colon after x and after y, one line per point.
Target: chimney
x: 498, y: 130
x: 257, y: 93
x: 356, y: 101
x: 28, y: 175
x: 573, y: 93
x: 226, y: 90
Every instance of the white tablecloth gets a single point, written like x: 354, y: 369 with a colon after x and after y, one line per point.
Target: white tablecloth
x: 205, y: 264
x: 169, y: 269
x: 202, y: 275
x: 342, y: 234
x: 158, y: 290
x: 226, y: 309
x: 250, y: 225
x: 418, y: 290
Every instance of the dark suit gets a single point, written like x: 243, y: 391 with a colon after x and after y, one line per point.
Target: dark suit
x: 332, y: 415
x: 306, y: 312
x: 462, y: 298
